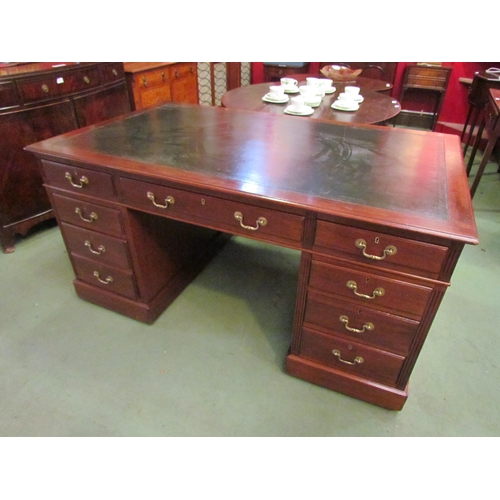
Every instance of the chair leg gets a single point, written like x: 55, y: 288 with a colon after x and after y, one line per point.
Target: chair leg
x: 482, y: 166
x: 476, y: 145
x: 472, y: 126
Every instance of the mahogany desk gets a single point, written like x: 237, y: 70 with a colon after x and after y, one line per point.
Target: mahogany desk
x: 377, y: 108
x: 380, y: 216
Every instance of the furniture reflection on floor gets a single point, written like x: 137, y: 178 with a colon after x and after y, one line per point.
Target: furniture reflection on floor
x: 38, y: 101
x: 379, y: 241
x: 152, y: 83
x: 273, y: 71
x: 433, y: 80
x: 377, y: 108
x: 477, y: 99
x: 491, y: 123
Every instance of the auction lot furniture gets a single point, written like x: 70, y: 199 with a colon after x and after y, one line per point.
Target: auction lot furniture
x: 377, y: 108
x: 38, y: 101
x: 380, y: 216
x: 152, y: 83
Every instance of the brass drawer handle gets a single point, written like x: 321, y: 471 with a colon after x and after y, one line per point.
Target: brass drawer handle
x: 163, y: 75
x: 115, y: 73
x: 357, y: 359
x: 169, y: 200
x: 45, y: 88
x: 83, y: 180
x: 144, y: 81
x: 367, y: 326
x: 378, y: 292
x: 100, y: 249
x: 93, y: 215
x: 261, y: 221
x: 86, y: 79
x: 106, y: 281
x: 388, y: 251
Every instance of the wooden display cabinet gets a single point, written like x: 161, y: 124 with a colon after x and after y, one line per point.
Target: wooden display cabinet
x: 39, y: 101
x: 153, y: 83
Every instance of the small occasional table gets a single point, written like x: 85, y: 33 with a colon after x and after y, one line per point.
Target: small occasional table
x: 377, y: 108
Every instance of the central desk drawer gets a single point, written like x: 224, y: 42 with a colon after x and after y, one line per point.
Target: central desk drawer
x: 380, y: 249
x: 224, y: 215
x: 350, y: 357
x: 88, y: 215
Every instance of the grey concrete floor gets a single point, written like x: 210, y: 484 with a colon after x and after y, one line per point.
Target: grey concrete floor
x: 212, y: 364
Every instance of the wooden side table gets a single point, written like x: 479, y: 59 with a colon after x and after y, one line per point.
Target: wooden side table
x: 492, y: 124
x: 427, y: 78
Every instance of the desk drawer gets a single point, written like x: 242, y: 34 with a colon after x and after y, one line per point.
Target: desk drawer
x: 79, y: 180
x: 380, y: 249
x: 181, y: 70
x: 361, y: 324
x: 370, y: 290
x: 96, y: 246
x: 350, y: 357
x: 225, y: 215
x: 106, y: 277
x: 88, y: 215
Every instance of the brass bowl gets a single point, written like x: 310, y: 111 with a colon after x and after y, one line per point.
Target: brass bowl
x: 340, y: 74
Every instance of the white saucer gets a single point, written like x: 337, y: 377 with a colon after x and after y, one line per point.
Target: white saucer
x: 272, y: 100
x: 291, y: 90
x: 307, y: 111
x: 314, y: 102
x: 341, y: 107
x: 359, y: 98
x: 330, y: 90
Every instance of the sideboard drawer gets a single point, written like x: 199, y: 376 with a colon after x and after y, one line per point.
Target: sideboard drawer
x: 106, y: 277
x: 182, y: 69
x: 225, y: 215
x: 380, y: 249
x: 112, y: 72
x: 96, y: 246
x: 370, y: 289
x: 79, y: 180
x: 350, y: 357
x: 8, y: 95
x: 359, y: 323
x: 88, y: 215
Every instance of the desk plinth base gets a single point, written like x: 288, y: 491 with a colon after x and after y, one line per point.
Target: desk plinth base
x: 345, y: 383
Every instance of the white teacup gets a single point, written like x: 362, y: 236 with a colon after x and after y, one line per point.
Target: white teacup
x: 346, y: 97
x: 325, y: 83
x: 288, y: 82
x: 298, y: 103
x: 276, y: 92
x: 348, y: 89
x: 311, y: 80
x: 308, y: 91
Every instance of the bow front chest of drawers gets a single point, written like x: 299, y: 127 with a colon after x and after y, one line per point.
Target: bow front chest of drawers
x: 380, y: 216
x: 38, y: 101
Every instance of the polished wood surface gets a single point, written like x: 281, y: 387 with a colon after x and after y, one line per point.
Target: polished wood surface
x: 369, y: 208
x: 38, y: 101
x: 376, y: 108
x: 373, y: 84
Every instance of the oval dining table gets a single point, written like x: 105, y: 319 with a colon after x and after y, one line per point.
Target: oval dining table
x: 376, y: 109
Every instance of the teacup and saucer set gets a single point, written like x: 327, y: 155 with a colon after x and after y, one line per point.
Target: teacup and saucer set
x: 323, y: 85
x: 299, y: 107
x: 276, y: 95
x: 310, y: 93
x: 290, y: 85
x: 348, y: 100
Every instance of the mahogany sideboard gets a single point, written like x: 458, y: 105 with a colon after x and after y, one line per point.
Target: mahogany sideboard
x: 38, y: 101
x: 380, y: 216
x: 153, y: 83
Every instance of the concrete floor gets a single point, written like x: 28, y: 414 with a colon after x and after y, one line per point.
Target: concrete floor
x: 212, y: 364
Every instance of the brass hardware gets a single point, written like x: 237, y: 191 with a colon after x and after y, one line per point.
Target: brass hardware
x: 83, y: 180
x: 100, y: 249
x: 169, y: 200
x: 114, y: 72
x: 367, y: 326
x: 388, y: 251
x: 203, y: 201
x: 261, y: 221
x: 106, y: 281
x: 378, y: 292
x: 86, y: 79
x: 93, y: 215
x: 357, y: 359
x: 163, y: 75
x: 176, y: 74
x: 144, y: 81
x: 45, y: 88
x: 192, y: 70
